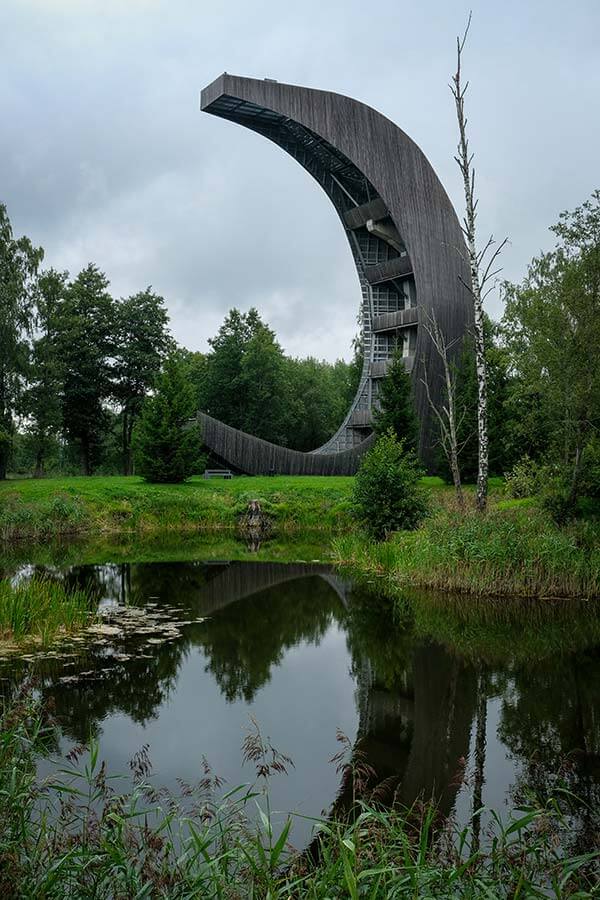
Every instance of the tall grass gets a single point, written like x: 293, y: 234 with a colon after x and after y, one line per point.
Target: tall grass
x: 40, y: 609
x: 79, y: 835
x: 513, y: 551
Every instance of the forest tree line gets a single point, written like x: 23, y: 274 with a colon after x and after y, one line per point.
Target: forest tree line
x: 76, y: 365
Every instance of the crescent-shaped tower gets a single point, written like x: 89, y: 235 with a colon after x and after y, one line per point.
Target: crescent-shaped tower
x: 407, y: 245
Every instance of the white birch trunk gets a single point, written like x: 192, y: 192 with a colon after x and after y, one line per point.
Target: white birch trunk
x: 464, y: 161
x: 447, y: 415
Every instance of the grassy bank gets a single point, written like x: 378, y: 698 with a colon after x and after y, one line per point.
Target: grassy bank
x: 516, y: 550
x: 35, y: 508
x: 84, y: 834
x: 40, y: 610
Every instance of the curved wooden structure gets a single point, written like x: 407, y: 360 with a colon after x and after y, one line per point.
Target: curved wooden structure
x: 406, y: 242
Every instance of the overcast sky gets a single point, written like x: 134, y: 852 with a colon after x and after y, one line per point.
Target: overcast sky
x: 105, y: 156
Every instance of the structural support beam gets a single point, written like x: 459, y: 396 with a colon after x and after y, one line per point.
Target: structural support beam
x: 358, y: 216
x: 387, y: 232
x: 380, y: 367
x: 399, y: 267
x: 393, y: 320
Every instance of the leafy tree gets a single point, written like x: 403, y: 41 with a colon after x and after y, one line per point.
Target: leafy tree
x: 396, y: 406
x: 317, y: 394
x: 167, y: 446
x: 86, y: 340
x: 551, y: 330
x: 226, y: 388
x: 196, y: 367
x: 142, y: 341
x: 41, y: 400
x: 525, y: 429
x: 19, y: 262
x: 309, y: 413
x: 386, y: 494
x: 262, y: 385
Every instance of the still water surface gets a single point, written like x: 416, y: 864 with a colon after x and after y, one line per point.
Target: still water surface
x: 433, y: 708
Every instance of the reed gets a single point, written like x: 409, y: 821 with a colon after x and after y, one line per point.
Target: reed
x: 516, y: 551
x: 39, y: 609
x: 80, y: 835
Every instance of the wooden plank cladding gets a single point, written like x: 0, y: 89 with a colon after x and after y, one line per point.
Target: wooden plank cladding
x: 387, y: 196
x: 399, y: 267
x: 360, y: 215
x: 399, y: 319
x: 362, y: 418
x: 380, y: 367
x: 254, y: 456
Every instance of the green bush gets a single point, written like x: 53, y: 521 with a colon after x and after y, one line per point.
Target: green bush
x: 590, y: 469
x: 556, y: 498
x: 386, y: 494
x: 166, y: 444
x: 523, y: 479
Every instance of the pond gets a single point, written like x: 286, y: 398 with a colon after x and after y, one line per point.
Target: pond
x: 439, y: 698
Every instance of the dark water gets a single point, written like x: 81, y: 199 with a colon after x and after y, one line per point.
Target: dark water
x: 470, y: 704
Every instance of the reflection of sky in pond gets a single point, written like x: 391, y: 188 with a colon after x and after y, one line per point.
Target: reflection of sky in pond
x: 299, y: 709
x: 305, y: 654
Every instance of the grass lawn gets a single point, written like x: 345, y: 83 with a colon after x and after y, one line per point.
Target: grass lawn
x: 37, y: 507
x: 34, y: 508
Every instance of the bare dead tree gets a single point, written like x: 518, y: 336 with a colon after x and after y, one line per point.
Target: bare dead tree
x: 446, y: 414
x: 481, y: 265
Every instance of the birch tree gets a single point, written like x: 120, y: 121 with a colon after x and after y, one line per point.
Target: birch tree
x: 481, y: 265
x: 446, y: 415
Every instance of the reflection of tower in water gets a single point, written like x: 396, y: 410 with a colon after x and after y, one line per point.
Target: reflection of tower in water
x: 415, y: 735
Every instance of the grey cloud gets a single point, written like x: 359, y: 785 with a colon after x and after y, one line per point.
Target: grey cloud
x: 105, y: 156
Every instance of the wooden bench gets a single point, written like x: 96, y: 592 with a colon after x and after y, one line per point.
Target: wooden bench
x: 218, y: 473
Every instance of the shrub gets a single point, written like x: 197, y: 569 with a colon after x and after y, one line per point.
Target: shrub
x: 166, y: 445
x: 523, y: 479
x: 557, y: 499
x: 590, y: 469
x: 386, y: 495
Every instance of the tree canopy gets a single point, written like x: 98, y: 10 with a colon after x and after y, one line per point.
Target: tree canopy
x: 553, y: 336
x: 19, y: 263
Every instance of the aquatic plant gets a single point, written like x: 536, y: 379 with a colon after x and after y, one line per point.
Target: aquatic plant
x: 40, y: 609
x: 78, y: 835
x: 516, y: 551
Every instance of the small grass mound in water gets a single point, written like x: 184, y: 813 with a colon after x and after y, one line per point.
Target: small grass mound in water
x: 39, y: 609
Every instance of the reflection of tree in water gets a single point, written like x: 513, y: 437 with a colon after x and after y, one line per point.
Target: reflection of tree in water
x: 137, y: 687
x: 423, y: 703
x: 551, y: 722
x: 416, y: 704
x: 425, y: 671
x: 244, y: 641
x: 176, y: 584
x: 379, y: 631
